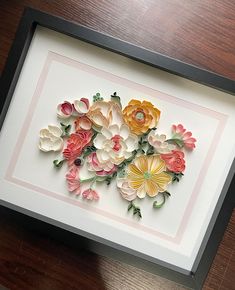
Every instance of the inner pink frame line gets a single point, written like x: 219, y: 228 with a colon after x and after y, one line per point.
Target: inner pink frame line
x: 103, y: 74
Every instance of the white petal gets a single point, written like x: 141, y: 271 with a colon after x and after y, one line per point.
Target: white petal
x: 57, y: 145
x: 105, y: 131
x: 56, y: 131
x: 116, y: 114
x: 44, y: 133
x: 120, y: 181
x: 99, y: 141
x: 132, y: 143
x: 162, y: 137
x: 104, y: 107
x: 141, y: 193
x: 80, y: 107
x: 124, y: 131
x: 127, y: 154
x: 45, y: 144
x: 114, y: 129
x: 102, y: 155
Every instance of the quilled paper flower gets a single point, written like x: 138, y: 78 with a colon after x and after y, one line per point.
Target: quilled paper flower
x: 75, y: 145
x: 115, y: 144
x: 146, y: 175
x: 50, y: 139
x: 104, y: 144
x: 179, y: 132
x: 81, y: 106
x: 103, y: 114
x: 159, y: 142
x: 126, y: 191
x: 174, y: 161
x: 82, y: 123
x: 65, y: 110
x: 73, y: 181
x: 90, y: 194
x: 100, y: 169
x: 140, y: 116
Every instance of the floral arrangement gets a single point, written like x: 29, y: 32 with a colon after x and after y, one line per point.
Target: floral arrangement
x: 116, y: 143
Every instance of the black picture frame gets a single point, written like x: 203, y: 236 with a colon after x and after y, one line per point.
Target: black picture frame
x: 30, y: 19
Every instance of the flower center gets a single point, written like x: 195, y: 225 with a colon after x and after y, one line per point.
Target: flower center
x: 116, y: 142
x: 139, y: 116
x: 147, y: 175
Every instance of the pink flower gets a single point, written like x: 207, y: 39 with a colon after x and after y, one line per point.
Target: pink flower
x: 76, y: 144
x: 65, y: 110
x: 90, y: 194
x: 174, y: 161
x: 73, y: 180
x: 126, y: 191
x: 179, y: 132
x: 101, y: 169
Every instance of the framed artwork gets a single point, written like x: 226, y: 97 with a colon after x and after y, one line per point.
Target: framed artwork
x: 126, y: 147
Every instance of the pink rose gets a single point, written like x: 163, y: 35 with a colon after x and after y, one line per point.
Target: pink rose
x: 100, y: 169
x: 73, y: 180
x: 75, y: 144
x: 90, y: 194
x: 174, y: 161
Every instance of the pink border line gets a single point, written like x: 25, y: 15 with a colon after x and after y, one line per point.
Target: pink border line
x: 103, y: 74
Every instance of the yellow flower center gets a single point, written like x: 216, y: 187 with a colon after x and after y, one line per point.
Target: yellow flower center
x: 147, y: 175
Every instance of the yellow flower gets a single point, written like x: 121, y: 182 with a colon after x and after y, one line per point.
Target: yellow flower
x: 140, y: 116
x: 146, y: 175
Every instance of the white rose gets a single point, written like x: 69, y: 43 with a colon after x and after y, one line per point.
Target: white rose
x: 50, y: 139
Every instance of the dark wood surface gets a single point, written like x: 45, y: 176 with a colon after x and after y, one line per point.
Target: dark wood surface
x: 198, y: 32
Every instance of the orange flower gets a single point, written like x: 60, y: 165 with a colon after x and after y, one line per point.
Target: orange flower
x: 141, y: 116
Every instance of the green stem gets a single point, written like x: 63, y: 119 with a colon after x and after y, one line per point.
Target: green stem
x: 159, y: 205
x: 165, y: 194
x: 93, y: 179
x: 178, y: 142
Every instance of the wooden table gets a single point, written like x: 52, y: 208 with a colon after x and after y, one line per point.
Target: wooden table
x: 201, y: 33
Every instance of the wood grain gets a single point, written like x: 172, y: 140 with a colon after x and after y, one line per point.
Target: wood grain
x: 198, y: 32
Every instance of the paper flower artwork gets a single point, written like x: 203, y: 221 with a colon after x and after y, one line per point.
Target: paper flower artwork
x: 115, y: 144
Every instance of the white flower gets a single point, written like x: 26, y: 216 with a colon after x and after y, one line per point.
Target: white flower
x: 115, y: 144
x: 158, y: 142
x: 50, y: 139
x: 126, y: 191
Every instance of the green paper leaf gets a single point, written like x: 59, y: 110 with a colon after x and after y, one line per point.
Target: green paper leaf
x: 136, y: 209
x: 130, y: 206
x: 57, y: 163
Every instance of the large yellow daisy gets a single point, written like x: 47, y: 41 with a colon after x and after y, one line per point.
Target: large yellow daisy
x: 146, y: 175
